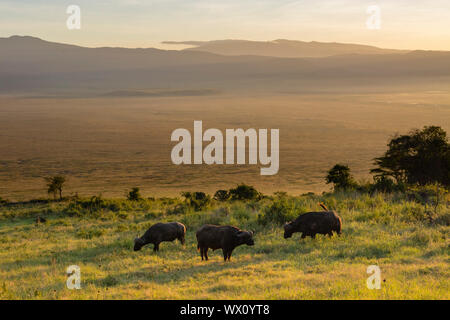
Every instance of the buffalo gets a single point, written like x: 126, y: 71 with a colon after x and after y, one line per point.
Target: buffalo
x: 221, y: 237
x: 311, y: 223
x: 160, y: 232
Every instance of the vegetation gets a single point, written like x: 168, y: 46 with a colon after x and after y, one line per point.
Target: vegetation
x: 391, y: 230
x: 55, y: 185
x: 400, y: 222
x: 134, y: 195
x: 244, y: 192
x: 421, y: 157
x: 222, y: 195
x: 340, y: 177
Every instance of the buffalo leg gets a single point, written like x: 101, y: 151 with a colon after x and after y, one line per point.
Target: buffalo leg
x: 229, y: 254
x: 206, y: 253
x: 225, y: 255
x: 181, y: 240
x: 313, y: 236
x: 303, y: 235
x: 330, y: 234
x: 156, y: 247
x: 201, y: 252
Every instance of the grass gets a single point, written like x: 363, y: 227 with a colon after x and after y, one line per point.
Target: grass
x: 412, y: 253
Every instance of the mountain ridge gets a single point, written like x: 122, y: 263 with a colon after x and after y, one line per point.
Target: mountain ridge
x: 282, y: 48
x: 29, y: 63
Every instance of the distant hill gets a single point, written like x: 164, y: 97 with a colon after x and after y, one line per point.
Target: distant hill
x: 29, y: 64
x: 282, y: 48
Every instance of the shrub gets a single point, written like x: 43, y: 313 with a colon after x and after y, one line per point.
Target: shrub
x: 386, y: 185
x: 244, y: 192
x: 197, y: 200
x: 181, y: 208
x: 134, y: 195
x: 340, y: 177
x: 279, y: 212
x: 222, y: 195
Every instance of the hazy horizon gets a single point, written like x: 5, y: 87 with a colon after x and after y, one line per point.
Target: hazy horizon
x: 190, y: 43
x: 404, y: 25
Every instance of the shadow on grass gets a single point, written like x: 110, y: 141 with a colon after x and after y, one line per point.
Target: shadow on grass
x: 201, y: 269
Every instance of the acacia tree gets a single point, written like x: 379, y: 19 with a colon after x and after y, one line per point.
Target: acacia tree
x: 55, y: 185
x: 421, y: 157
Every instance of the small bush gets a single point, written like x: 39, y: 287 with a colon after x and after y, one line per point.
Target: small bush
x: 134, y: 195
x: 386, y: 185
x: 222, y: 195
x: 340, y: 177
x: 279, y: 212
x: 197, y: 200
x: 244, y: 192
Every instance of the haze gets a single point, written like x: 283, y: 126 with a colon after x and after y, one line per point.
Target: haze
x: 139, y: 23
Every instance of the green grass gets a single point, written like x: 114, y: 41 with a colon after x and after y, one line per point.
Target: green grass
x: 385, y: 230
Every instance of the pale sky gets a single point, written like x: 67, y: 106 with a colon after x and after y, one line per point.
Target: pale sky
x: 405, y: 24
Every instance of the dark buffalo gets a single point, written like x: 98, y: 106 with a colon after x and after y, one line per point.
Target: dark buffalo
x: 160, y: 232
x: 222, y: 237
x: 311, y: 223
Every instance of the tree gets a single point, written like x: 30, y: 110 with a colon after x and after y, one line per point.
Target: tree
x: 244, y: 192
x: 340, y: 177
x: 421, y: 157
x: 134, y: 194
x: 55, y: 185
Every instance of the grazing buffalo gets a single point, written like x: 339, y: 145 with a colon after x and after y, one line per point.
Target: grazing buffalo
x: 221, y: 237
x: 311, y: 223
x: 160, y: 232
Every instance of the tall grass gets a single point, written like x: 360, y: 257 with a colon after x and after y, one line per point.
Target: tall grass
x: 408, y: 239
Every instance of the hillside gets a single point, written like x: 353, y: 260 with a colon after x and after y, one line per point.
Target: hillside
x: 282, y: 48
x: 97, y: 235
x: 30, y: 64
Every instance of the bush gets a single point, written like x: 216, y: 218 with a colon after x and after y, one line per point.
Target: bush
x: 222, y: 195
x: 197, y: 200
x: 181, y: 208
x: 340, y: 177
x: 386, y: 185
x: 244, y: 192
x: 279, y: 212
x: 97, y: 206
x: 134, y: 195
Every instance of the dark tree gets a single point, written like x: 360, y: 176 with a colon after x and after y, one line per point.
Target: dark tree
x: 244, y: 192
x: 222, y: 195
x: 422, y: 157
x: 55, y: 185
x: 340, y: 177
x: 134, y: 194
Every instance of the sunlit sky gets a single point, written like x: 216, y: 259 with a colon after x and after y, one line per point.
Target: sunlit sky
x: 405, y: 24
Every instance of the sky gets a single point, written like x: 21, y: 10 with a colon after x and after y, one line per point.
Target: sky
x: 405, y: 24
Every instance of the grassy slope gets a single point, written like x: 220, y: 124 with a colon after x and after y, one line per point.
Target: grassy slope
x: 413, y: 255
